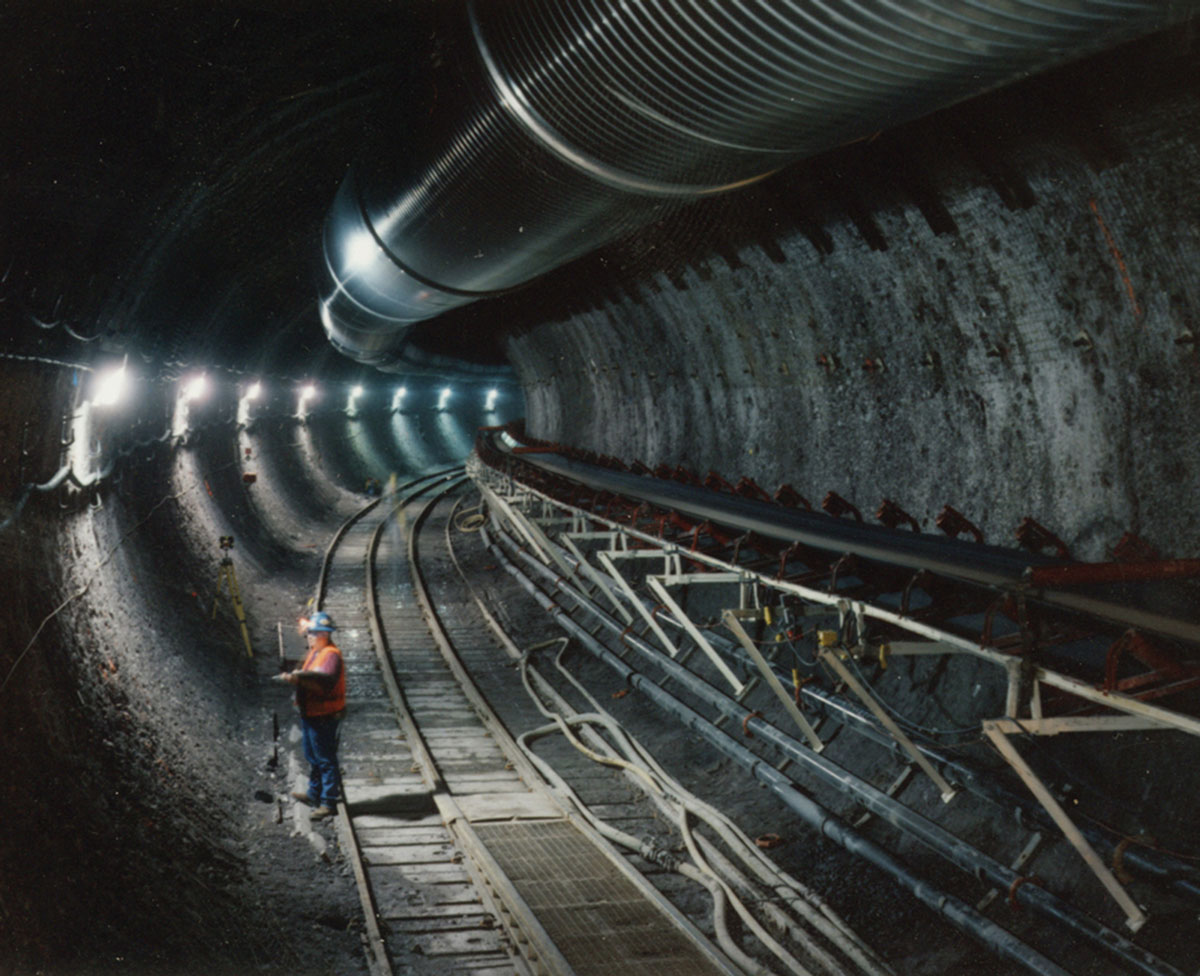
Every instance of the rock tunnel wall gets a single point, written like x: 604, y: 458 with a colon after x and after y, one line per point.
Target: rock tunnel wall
x: 993, y: 308
x: 131, y: 715
x: 119, y: 720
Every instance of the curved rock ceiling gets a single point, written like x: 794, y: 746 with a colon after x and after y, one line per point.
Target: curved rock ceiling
x: 994, y: 307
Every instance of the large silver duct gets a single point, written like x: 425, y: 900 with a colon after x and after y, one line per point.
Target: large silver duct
x: 555, y: 126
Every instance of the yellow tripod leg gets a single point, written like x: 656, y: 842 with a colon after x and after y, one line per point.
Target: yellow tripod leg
x: 238, y: 609
x: 217, y: 594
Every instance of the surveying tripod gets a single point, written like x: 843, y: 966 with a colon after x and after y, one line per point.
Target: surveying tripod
x: 226, y: 575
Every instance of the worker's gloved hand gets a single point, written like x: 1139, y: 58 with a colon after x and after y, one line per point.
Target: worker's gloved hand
x: 287, y: 678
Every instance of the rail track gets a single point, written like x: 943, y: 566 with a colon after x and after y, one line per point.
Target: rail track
x: 465, y: 859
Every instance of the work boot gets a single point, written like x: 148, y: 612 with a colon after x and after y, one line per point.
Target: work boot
x: 321, y: 813
x: 302, y: 798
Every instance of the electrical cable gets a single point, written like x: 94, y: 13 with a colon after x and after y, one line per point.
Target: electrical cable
x: 657, y: 856
x: 1153, y: 864
x: 764, y: 937
x: 46, y: 361
x: 470, y: 519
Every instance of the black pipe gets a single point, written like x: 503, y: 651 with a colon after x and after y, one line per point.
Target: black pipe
x: 953, y: 849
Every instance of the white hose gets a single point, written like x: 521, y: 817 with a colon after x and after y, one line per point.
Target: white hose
x: 806, y: 902
x: 661, y: 784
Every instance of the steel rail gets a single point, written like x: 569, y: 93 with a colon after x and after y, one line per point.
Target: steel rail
x: 342, y: 529
x: 493, y: 885
x: 518, y: 910
x: 374, y: 941
x: 812, y: 910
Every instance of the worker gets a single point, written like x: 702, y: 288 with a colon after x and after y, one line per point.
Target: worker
x: 320, y: 684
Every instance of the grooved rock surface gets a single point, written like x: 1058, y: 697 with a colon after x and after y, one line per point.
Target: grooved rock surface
x: 991, y: 309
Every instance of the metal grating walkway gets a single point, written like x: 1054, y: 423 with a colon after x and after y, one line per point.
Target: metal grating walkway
x: 596, y: 917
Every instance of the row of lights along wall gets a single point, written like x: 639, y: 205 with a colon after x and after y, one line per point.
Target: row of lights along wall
x: 110, y: 387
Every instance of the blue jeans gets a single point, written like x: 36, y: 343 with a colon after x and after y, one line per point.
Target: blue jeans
x: 321, y: 735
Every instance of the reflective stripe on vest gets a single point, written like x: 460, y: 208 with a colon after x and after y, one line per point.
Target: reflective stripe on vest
x: 316, y: 700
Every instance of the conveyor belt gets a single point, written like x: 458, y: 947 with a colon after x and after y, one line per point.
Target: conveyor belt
x: 1165, y: 606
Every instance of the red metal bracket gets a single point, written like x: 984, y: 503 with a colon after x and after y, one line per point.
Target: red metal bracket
x: 749, y: 488
x: 954, y: 523
x: 717, y: 483
x: 746, y: 723
x: 1016, y: 886
x: 787, y: 495
x: 845, y: 563
x: 891, y: 515
x: 1037, y: 538
x: 1163, y: 663
x: 837, y: 506
x: 1133, y: 549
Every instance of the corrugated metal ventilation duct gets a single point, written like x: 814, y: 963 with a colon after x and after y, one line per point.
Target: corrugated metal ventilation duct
x: 571, y: 122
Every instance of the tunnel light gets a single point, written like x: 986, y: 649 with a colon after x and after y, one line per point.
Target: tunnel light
x: 195, y: 388
x: 110, y: 387
x: 355, y: 392
x: 253, y: 392
x: 361, y: 250
x: 492, y: 397
x: 444, y: 398
x: 308, y: 392
x: 398, y: 397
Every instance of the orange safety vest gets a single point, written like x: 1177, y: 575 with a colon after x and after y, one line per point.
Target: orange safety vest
x: 314, y: 700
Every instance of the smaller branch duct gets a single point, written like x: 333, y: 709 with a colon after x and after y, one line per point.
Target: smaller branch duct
x: 543, y: 129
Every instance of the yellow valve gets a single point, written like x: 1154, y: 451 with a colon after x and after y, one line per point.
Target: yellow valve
x: 778, y: 638
x: 884, y: 652
x: 796, y: 679
x: 827, y: 638
x: 767, y: 615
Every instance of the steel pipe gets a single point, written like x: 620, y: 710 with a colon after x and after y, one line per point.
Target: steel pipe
x: 1184, y: 878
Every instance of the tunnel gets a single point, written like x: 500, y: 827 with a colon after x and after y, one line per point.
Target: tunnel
x: 874, y: 319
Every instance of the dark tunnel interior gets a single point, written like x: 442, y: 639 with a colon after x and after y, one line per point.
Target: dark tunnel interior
x: 992, y: 306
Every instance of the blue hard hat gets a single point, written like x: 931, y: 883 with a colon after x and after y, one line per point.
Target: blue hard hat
x: 321, y: 622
